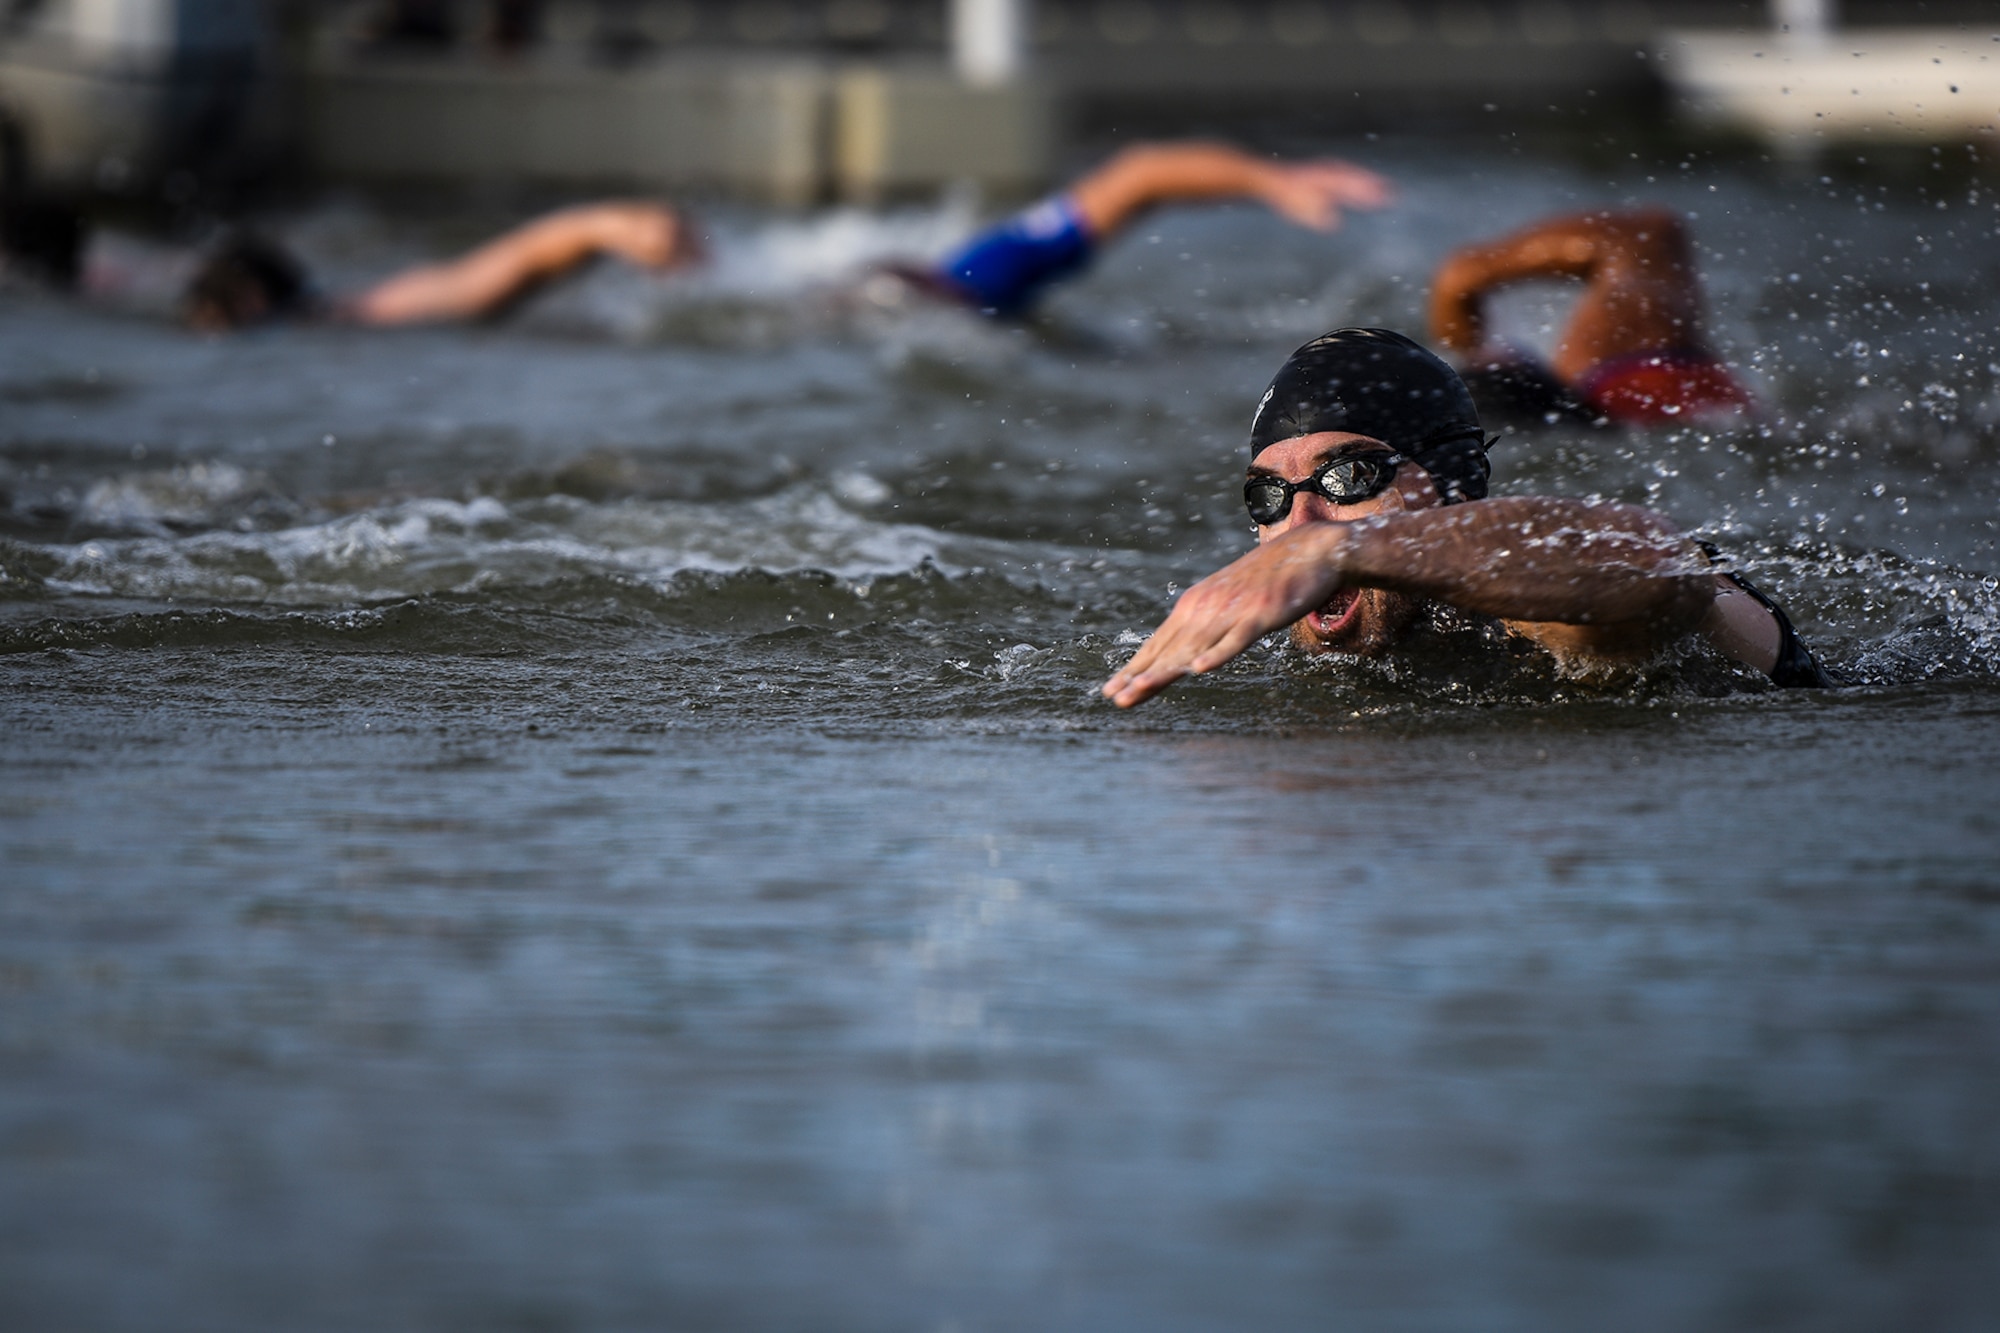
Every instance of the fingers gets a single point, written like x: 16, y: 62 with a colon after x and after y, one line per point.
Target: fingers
x: 1341, y: 185
x: 1132, y: 670
x: 1132, y: 686
x: 1239, y: 637
x: 1314, y: 211
x: 1186, y: 644
x: 648, y: 233
x: 1125, y: 691
x: 1312, y: 194
x: 1265, y: 589
x: 1356, y: 186
x: 1139, y: 678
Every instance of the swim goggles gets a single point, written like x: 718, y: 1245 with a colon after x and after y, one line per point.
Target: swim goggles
x: 1345, y: 480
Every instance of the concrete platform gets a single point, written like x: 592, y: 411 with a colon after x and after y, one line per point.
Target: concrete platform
x: 786, y: 130
x: 750, y: 126
x: 1911, y: 85
x: 906, y: 128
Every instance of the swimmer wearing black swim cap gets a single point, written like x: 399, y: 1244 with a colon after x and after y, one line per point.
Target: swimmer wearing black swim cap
x: 1367, y: 484
x: 1377, y: 383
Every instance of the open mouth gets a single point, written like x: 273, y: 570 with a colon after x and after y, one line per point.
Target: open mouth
x: 1337, y: 614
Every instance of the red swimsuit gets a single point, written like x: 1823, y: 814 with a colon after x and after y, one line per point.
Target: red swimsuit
x: 1673, y: 384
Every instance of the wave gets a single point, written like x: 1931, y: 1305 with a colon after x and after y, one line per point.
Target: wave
x: 417, y: 546
x: 766, y: 456
x: 216, y: 535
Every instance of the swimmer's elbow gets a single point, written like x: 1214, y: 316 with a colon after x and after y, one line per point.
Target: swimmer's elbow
x: 1458, y: 278
x: 1742, y: 629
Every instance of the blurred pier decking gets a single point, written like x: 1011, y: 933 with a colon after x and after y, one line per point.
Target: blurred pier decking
x: 797, y: 100
x: 1921, y: 85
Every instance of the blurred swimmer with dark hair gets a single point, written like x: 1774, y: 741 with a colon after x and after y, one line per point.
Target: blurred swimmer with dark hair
x: 1632, y: 353
x: 41, y: 238
x: 246, y: 280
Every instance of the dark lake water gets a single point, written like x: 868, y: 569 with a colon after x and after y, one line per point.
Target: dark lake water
x: 605, y: 821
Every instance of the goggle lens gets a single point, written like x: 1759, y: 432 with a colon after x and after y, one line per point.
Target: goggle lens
x: 1268, y: 498
x: 1344, y: 481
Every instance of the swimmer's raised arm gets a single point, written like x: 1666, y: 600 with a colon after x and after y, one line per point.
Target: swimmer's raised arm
x: 485, y: 280
x: 1606, y: 581
x: 1642, y: 292
x: 1310, y: 193
x: 1003, y: 269
x: 1563, y: 248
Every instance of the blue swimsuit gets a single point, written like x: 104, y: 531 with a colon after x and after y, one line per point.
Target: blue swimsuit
x: 1004, y: 268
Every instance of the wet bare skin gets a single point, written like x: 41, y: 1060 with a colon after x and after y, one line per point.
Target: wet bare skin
x: 488, y: 279
x: 1314, y: 193
x: 1594, y: 584
x: 653, y: 235
x: 1640, y: 294
x: 1352, y: 619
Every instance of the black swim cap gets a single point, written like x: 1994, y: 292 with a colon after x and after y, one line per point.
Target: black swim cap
x: 246, y: 280
x: 1380, y: 384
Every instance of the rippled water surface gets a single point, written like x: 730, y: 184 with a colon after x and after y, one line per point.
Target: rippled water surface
x: 604, y: 821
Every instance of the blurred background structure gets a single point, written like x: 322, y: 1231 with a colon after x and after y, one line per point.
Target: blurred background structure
x: 800, y: 100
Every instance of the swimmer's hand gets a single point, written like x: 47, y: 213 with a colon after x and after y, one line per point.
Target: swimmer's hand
x: 1313, y: 194
x: 1231, y: 609
x: 486, y: 280
x: 651, y: 235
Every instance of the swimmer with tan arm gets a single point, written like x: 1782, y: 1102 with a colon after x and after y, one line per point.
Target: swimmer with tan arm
x: 1002, y: 270
x: 1639, y: 293
x: 1367, y: 483
x: 248, y: 281
x: 1310, y: 193
x: 498, y: 273
x: 1594, y: 584
x: 1633, y: 349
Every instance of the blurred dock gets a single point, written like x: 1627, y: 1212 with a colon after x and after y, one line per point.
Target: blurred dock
x: 1806, y: 91
x: 800, y: 100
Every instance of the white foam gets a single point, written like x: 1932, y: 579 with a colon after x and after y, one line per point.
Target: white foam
x: 835, y: 246
x: 188, y: 493
x: 431, y: 545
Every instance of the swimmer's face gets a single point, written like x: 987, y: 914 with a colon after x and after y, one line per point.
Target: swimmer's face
x: 207, y: 315
x: 1353, y: 620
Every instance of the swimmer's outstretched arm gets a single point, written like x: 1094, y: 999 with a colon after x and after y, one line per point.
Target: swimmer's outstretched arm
x: 485, y: 280
x: 1311, y: 193
x: 1605, y: 581
x: 1643, y: 292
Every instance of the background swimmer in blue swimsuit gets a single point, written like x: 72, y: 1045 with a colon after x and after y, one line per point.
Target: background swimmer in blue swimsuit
x: 1002, y: 270
x: 246, y: 280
